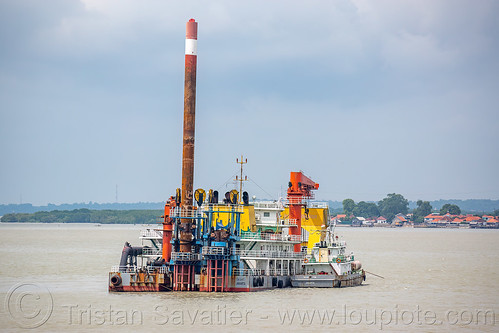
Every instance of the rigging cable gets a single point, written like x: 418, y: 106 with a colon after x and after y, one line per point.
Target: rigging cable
x: 271, y: 196
x: 226, y: 182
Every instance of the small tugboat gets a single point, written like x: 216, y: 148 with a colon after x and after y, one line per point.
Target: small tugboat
x: 327, y: 265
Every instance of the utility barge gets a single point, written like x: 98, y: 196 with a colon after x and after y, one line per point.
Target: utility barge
x: 212, y: 244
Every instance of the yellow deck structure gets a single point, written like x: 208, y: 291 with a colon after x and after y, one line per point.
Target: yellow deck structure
x: 311, y: 222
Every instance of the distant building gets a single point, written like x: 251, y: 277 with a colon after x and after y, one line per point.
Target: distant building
x: 370, y: 222
x: 337, y: 218
x: 432, y: 218
x: 492, y: 222
x: 458, y: 220
x: 358, y: 221
x: 399, y: 220
x: 455, y: 221
x: 473, y: 220
x: 381, y: 220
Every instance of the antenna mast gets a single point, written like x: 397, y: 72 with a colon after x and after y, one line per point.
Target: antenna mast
x: 241, y: 180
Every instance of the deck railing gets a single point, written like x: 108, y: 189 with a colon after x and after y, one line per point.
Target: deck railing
x: 259, y: 272
x: 222, y: 208
x: 151, y: 233
x: 270, y: 237
x: 135, y: 269
x: 151, y: 252
x: 268, y: 205
x: 187, y: 213
x: 317, y: 204
x: 279, y: 271
x: 268, y: 254
x: 185, y: 256
x: 248, y: 272
x: 291, y: 222
x: 215, y: 250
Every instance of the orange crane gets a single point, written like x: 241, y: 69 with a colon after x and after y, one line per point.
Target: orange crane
x: 168, y: 229
x: 299, y: 190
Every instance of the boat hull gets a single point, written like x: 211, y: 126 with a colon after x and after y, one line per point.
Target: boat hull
x: 157, y: 282
x: 138, y: 282
x: 327, y: 280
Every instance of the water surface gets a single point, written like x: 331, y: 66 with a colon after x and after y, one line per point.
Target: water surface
x: 434, y: 280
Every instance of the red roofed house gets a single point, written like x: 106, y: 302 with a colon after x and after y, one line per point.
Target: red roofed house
x: 337, y: 218
x: 471, y: 218
x: 399, y: 220
x: 430, y: 218
x: 492, y: 222
x: 381, y: 220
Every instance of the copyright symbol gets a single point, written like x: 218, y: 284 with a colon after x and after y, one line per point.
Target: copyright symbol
x: 29, y: 305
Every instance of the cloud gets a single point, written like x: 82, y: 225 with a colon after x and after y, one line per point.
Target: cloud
x: 359, y: 94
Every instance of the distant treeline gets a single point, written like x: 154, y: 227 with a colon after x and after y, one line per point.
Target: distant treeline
x: 476, y: 206
x: 29, y: 208
x: 87, y: 216
x: 472, y: 206
x: 467, y: 206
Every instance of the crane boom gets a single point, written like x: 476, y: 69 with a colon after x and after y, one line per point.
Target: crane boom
x: 300, y: 187
x: 301, y: 184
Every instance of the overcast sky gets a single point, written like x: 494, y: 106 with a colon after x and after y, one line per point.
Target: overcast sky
x: 366, y: 97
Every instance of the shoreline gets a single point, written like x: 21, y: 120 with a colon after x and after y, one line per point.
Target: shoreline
x: 419, y: 227
x: 338, y: 225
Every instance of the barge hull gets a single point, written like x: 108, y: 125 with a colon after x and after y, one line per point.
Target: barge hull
x: 327, y: 281
x: 157, y: 282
